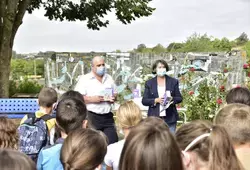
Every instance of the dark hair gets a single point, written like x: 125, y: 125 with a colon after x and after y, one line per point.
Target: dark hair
x: 150, y: 146
x: 238, y: 95
x: 216, y: 149
x: 47, y: 97
x: 83, y: 149
x: 70, y: 114
x: 156, y: 63
x: 72, y: 94
x: 68, y: 94
x: 8, y: 134
x: 236, y: 120
x: 12, y: 159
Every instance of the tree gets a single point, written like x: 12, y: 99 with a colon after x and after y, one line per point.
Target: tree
x: 12, y: 13
x: 140, y: 48
x: 158, y: 49
x: 118, y: 51
x: 198, y: 43
x: 242, y: 39
x: 225, y: 45
x: 175, y: 47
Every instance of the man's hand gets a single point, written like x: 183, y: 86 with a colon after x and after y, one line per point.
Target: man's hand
x: 112, y: 99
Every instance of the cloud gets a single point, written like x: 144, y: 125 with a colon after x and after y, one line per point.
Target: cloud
x: 173, y: 20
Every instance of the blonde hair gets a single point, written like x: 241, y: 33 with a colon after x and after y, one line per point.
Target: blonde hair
x: 128, y: 115
x: 8, y: 133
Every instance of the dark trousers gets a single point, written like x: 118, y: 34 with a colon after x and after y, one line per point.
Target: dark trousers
x: 171, y: 126
x: 104, y: 123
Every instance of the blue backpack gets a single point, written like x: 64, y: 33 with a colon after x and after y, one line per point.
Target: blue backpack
x: 33, y: 135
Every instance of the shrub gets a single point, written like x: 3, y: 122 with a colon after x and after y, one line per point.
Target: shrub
x: 24, y: 86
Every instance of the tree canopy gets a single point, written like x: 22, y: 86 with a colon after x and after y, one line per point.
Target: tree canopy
x: 242, y: 39
x: 199, y: 43
x: 91, y: 11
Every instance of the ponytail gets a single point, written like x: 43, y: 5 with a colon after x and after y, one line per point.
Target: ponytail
x: 221, y: 151
x: 210, y: 143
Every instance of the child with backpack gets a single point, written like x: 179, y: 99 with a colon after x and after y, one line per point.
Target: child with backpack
x: 37, y: 130
x: 71, y: 114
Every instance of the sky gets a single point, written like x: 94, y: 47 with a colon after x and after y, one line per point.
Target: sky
x: 172, y: 21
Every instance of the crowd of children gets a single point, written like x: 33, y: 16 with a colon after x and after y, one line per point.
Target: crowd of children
x: 67, y: 141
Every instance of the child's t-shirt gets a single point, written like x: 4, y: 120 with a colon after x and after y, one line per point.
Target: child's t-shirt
x: 114, y: 151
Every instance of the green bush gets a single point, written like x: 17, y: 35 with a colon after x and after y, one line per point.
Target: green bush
x: 203, y: 101
x: 24, y: 86
x: 12, y: 88
x: 22, y: 67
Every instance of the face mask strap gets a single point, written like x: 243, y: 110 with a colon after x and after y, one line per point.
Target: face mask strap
x: 196, y: 140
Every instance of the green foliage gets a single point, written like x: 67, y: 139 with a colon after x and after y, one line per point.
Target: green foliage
x: 28, y: 86
x: 140, y: 48
x: 158, y: 49
x: 203, y: 101
x: 203, y: 43
x: 242, y: 39
x: 126, y: 92
x: 24, y: 86
x: 202, y: 106
x: 247, y: 48
x: 194, y: 43
x: 22, y: 67
x: 93, y: 11
x: 175, y: 47
x: 13, y: 88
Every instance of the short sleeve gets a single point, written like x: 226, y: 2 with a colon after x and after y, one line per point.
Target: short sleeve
x: 108, y: 157
x: 23, y: 119
x: 40, y: 161
x: 81, y: 86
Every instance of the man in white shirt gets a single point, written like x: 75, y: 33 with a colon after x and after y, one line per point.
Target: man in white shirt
x: 94, y: 86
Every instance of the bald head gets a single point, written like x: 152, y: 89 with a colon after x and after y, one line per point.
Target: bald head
x: 98, y: 66
x: 97, y: 59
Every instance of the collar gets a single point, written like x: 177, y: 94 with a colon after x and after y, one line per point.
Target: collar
x: 104, y: 78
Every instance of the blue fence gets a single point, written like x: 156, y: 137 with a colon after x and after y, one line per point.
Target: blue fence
x: 17, y: 108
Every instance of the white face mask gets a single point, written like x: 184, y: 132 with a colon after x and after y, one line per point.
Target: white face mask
x: 161, y: 72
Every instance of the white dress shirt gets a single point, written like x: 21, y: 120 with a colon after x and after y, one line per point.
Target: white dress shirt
x: 88, y: 85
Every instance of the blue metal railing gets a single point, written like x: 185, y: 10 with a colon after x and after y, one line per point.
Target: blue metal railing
x: 17, y: 108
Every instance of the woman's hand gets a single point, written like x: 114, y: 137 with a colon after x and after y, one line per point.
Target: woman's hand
x: 159, y: 100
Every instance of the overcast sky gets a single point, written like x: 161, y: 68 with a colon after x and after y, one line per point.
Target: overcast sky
x: 172, y: 21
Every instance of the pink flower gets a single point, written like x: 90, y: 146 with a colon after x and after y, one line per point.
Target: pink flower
x: 219, y: 101
x: 192, y: 69
x: 222, y: 88
x: 225, y: 70
x: 191, y: 93
x: 245, y: 66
